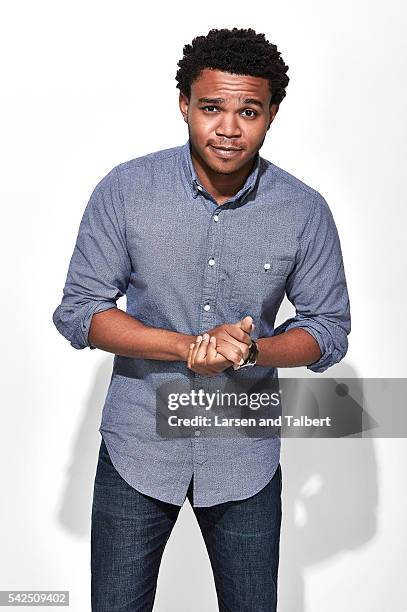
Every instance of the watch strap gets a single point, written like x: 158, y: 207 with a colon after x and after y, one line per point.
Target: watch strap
x: 251, y: 358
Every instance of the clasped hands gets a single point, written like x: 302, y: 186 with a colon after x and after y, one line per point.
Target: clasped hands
x: 221, y: 347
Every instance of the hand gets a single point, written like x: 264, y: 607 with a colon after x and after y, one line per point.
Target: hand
x: 237, y: 334
x: 204, y: 358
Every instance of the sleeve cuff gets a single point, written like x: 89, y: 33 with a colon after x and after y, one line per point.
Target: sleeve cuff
x: 87, y: 319
x: 330, y: 354
x: 78, y: 335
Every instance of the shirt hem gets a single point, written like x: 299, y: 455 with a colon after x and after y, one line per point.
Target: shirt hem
x: 234, y: 498
x: 121, y: 469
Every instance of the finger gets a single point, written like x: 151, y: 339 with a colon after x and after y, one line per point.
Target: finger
x: 202, y: 349
x: 246, y: 324
x: 230, y: 351
x: 189, y: 362
x: 197, y: 344
x: 215, y: 362
x: 211, y: 352
x: 191, y: 348
x: 241, y: 346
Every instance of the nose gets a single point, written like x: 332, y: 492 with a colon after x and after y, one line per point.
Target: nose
x: 228, y: 126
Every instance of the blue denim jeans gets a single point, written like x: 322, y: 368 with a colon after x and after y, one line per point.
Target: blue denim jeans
x: 129, y: 531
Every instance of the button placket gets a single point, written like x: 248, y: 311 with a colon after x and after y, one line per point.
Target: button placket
x: 210, y: 282
x: 199, y: 449
x: 210, y: 276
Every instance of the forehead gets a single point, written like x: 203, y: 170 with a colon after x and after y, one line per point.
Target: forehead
x: 213, y: 83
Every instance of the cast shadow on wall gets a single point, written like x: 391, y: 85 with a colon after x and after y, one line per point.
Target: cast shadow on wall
x: 330, y: 498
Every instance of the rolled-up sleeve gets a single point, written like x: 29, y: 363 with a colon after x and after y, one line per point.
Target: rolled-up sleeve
x: 317, y: 288
x: 100, y: 266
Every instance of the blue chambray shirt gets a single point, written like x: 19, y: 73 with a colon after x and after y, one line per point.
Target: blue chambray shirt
x: 152, y: 232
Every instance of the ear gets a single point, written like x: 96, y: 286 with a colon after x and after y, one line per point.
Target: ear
x: 183, y: 106
x: 273, y: 112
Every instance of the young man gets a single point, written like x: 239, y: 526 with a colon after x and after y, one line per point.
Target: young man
x: 204, y: 239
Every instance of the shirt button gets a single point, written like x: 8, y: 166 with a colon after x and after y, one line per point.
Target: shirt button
x: 199, y: 187
x: 197, y: 432
x: 211, y: 262
x: 207, y: 307
x: 267, y: 266
x: 216, y: 218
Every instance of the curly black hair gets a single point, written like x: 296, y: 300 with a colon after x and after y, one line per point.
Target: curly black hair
x: 238, y: 51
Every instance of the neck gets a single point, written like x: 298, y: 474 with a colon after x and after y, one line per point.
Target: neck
x: 221, y: 186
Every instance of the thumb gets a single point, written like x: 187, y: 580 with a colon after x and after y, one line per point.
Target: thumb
x: 247, y: 324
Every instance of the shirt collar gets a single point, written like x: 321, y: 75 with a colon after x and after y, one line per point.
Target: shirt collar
x: 195, y: 185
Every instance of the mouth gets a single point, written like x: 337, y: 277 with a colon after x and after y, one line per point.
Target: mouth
x: 225, y: 152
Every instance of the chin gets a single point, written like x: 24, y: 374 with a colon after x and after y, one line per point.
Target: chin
x: 224, y: 171
x: 224, y: 167
x: 221, y: 168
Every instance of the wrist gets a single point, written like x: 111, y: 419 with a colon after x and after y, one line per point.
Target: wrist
x: 182, y: 346
x: 266, y: 352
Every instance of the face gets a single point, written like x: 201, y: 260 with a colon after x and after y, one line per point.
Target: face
x: 228, y: 116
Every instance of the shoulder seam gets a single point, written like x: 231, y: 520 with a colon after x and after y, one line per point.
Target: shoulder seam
x: 287, y: 179
x: 310, y: 216
x: 137, y: 161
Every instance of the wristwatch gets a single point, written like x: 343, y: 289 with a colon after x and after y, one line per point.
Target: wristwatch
x: 251, y: 358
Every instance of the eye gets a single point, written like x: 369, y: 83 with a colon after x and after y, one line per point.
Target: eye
x: 250, y: 111
x: 211, y: 106
x: 206, y: 107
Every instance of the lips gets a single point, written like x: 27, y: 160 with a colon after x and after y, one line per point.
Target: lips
x: 226, y: 148
x: 225, y: 152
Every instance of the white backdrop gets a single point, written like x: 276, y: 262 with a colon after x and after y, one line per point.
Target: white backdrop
x: 87, y: 85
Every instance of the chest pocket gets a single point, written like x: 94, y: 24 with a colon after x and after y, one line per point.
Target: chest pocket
x: 258, y: 279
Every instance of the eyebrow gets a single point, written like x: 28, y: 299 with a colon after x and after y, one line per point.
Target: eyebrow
x: 222, y: 100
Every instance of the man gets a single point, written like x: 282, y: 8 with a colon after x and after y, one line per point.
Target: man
x: 204, y: 239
